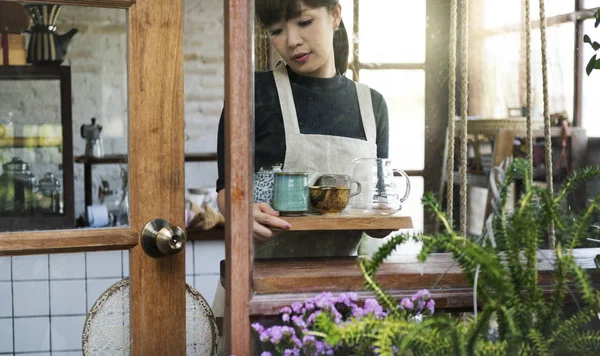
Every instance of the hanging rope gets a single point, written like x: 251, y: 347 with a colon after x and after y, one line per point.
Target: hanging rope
x: 547, y: 123
x: 464, y: 93
x: 260, y: 50
x: 528, y: 70
x: 451, y: 112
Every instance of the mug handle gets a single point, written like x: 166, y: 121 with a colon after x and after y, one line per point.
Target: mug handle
x: 403, y: 174
x: 358, y: 188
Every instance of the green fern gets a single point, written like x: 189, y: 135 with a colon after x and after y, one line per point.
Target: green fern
x: 508, y: 284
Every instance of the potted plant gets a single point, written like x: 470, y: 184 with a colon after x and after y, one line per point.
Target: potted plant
x: 504, y: 273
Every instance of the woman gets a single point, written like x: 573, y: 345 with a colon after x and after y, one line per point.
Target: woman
x: 303, y: 110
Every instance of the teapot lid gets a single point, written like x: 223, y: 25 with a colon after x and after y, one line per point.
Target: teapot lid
x: 16, y: 165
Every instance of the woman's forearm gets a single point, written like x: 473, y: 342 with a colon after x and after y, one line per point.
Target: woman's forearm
x: 221, y: 202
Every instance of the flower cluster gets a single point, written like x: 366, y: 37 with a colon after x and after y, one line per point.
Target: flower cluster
x: 417, y: 305
x: 293, y: 336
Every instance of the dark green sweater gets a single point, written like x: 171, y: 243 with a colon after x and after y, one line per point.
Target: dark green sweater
x: 324, y: 106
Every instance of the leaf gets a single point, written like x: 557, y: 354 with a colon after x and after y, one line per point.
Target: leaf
x: 597, y: 261
x: 597, y: 22
x: 590, y: 66
x: 586, y: 39
x: 596, y: 46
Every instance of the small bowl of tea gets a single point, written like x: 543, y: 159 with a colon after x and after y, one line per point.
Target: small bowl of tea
x: 329, y: 199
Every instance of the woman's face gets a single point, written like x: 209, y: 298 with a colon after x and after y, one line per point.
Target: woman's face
x: 305, y: 43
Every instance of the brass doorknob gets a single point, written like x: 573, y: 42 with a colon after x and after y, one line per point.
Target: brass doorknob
x: 160, y: 238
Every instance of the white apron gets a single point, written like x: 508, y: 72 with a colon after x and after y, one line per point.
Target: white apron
x: 314, y: 153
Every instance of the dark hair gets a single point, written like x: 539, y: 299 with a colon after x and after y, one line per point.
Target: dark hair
x: 272, y: 11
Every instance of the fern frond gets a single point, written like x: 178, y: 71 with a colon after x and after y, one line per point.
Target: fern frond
x: 577, y: 177
x: 382, y: 297
x: 582, y: 223
x: 430, y: 202
x: 540, y: 347
x: 384, y: 251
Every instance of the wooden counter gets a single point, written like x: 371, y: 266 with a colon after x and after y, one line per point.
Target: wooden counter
x: 278, y: 283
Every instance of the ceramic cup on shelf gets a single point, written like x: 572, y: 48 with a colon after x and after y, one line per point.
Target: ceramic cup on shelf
x: 290, y: 193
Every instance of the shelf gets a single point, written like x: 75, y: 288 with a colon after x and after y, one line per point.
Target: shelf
x: 214, y: 234
x: 30, y: 142
x: 277, y: 283
x: 122, y: 158
x: 347, y: 221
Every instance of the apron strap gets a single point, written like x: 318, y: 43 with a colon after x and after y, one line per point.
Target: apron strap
x: 366, y: 111
x: 286, y: 101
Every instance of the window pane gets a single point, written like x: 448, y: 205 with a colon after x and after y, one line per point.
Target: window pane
x: 560, y: 69
x: 501, y: 13
x: 553, y: 8
x: 404, y: 93
x: 591, y: 83
x: 591, y: 3
x: 348, y: 18
x: 394, y: 35
x: 503, y: 83
x: 511, y: 12
x: 500, y: 72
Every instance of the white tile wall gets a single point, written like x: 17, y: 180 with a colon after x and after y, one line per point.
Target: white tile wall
x: 5, y: 300
x: 67, y: 297
x: 207, y: 285
x: 31, y: 298
x: 95, y: 288
x: 30, y: 267
x: 72, y: 353
x: 32, y: 334
x: 66, y: 332
x: 68, y: 265
x: 5, y: 269
x: 125, y: 267
x: 189, y: 258
x: 208, y: 255
x: 6, y: 336
x: 104, y: 264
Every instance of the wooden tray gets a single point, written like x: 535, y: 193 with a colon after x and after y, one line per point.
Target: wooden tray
x: 349, y: 221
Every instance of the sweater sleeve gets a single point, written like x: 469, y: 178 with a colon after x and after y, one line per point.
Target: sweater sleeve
x: 382, y: 123
x: 221, y: 153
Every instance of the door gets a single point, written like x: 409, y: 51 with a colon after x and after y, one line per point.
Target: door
x: 155, y: 158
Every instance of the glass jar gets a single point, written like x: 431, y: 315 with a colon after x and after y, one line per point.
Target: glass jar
x: 17, y: 185
x: 48, y: 196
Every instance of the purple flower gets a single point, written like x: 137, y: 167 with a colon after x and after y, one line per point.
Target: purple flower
x: 421, y: 305
x: 264, y: 336
x: 286, y: 310
x: 298, y: 321
x: 431, y: 306
x: 407, y: 303
x: 358, y: 312
x: 258, y: 328
x: 285, y: 317
x: 296, y: 307
x: 266, y: 353
x: 420, y: 294
x: 291, y: 352
x: 276, y: 333
x: 308, y: 339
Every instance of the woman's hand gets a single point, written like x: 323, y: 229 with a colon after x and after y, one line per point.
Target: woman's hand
x: 267, y: 223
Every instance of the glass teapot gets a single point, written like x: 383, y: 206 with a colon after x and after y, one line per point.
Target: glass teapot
x: 17, y: 185
x: 379, y: 194
x: 49, y: 195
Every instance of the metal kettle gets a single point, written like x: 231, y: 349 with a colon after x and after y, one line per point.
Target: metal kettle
x: 93, y: 139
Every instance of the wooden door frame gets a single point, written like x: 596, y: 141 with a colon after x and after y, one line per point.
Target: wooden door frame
x: 239, y: 80
x: 156, y: 169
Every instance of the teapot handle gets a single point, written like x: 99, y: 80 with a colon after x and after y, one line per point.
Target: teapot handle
x: 403, y: 174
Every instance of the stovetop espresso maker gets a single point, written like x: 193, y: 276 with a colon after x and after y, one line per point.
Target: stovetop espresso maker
x: 93, y: 139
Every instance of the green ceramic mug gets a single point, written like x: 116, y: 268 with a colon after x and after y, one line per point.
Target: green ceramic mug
x: 290, y: 193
